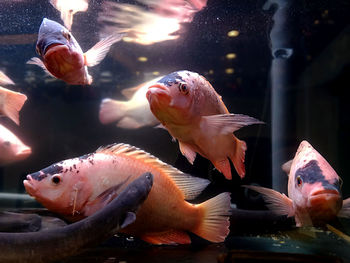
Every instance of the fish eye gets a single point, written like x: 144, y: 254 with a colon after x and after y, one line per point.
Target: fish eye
x: 183, y: 88
x: 56, y: 179
x: 299, y: 181
x: 66, y: 35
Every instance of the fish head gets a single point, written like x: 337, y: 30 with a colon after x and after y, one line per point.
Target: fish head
x: 60, y: 187
x: 171, y: 97
x: 13, y: 150
x: 58, y: 48
x: 313, y: 184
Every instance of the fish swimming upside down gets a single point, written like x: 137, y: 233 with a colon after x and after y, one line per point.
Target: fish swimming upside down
x: 314, y: 194
x: 193, y: 113
x: 62, y: 56
x: 79, y: 187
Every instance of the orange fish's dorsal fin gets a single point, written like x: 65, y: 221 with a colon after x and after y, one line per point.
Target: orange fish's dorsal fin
x: 169, y: 237
x: 278, y: 203
x: 189, y: 185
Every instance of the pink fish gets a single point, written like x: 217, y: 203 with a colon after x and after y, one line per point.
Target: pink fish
x: 12, y: 149
x: 79, y: 187
x: 11, y: 103
x: 314, y: 194
x: 62, y: 56
x: 194, y: 114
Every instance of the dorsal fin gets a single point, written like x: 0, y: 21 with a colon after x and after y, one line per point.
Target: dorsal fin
x: 190, y: 186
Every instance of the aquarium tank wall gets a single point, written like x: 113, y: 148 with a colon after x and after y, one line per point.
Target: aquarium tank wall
x: 283, y: 63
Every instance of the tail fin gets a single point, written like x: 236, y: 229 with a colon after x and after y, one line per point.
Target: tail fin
x: 238, y: 156
x: 13, y: 104
x: 111, y: 110
x: 216, y: 219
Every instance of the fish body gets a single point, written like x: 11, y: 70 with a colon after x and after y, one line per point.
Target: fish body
x: 12, y: 149
x: 11, y: 103
x: 314, y: 190
x: 131, y: 114
x: 193, y: 113
x: 5, y: 80
x: 79, y: 187
x: 62, y: 56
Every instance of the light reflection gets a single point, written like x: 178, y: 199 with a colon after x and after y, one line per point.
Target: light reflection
x: 231, y: 56
x: 142, y: 59
x: 233, y: 33
x: 68, y: 8
x: 229, y: 71
x: 154, y: 21
x: 155, y: 73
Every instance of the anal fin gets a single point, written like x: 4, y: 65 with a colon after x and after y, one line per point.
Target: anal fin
x: 187, y: 151
x: 170, y: 237
x: 224, y: 167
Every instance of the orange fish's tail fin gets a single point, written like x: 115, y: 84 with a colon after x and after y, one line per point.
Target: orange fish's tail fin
x: 237, y: 157
x: 111, y: 110
x: 216, y: 219
x: 13, y: 104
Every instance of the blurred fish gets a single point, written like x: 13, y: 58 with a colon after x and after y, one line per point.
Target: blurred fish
x: 132, y: 114
x: 62, y: 55
x: 68, y: 8
x: 12, y: 149
x: 81, y: 186
x: 193, y: 113
x: 148, y: 21
x: 314, y: 190
x: 5, y: 80
x: 11, y: 103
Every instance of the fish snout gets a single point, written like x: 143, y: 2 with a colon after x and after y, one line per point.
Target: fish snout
x: 28, y: 185
x: 23, y: 153
x: 158, y: 92
x: 326, y: 201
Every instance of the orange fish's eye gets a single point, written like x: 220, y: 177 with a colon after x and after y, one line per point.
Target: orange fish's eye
x: 56, y: 179
x: 183, y: 88
x: 299, y: 181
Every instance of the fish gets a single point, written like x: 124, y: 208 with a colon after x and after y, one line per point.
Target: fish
x: 132, y: 114
x: 62, y: 56
x: 12, y: 149
x: 78, y: 187
x: 68, y: 8
x: 314, y: 190
x: 11, y: 103
x: 190, y: 109
x: 5, y: 80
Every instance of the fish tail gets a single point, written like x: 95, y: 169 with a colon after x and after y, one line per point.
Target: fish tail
x: 13, y: 104
x: 111, y: 110
x: 237, y: 157
x: 215, y: 223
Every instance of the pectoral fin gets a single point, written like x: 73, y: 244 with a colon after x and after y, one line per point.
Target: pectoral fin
x: 345, y: 211
x: 278, y: 203
x: 130, y: 218
x: 287, y: 166
x: 98, y: 52
x: 187, y: 151
x: 37, y: 61
x: 226, y: 123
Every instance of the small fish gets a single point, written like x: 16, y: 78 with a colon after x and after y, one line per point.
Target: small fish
x: 79, y: 187
x: 193, y: 113
x: 5, y: 80
x: 131, y: 114
x: 12, y: 149
x: 11, y: 103
x: 62, y: 56
x: 314, y: 194
x: 68, y: 8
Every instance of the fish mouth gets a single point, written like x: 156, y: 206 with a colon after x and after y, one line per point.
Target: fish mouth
x: 55, y: 48
x: 24, y: 153
x: 29, y: 186
x: 324, y: 198
x: 157, y: 92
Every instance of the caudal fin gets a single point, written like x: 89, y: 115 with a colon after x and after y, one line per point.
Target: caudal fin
x: 238, y: 156
x: 216, y: 219
x: 13, y: 104
x: 111, y: 110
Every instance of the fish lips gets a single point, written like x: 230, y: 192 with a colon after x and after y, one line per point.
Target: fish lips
x: 325, y: 199
x: 157, y: 94
x: 23, y: 153
x: 29, y: 186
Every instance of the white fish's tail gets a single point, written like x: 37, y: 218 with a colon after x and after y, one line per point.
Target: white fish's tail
x: 13, y: 104
x: 215, y: 223
x: 111, y: 110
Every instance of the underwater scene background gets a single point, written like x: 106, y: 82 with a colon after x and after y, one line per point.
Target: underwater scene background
x: 285, y: 63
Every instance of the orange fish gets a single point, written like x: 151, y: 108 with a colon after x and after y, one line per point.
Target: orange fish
x: 81, y: 186
x: 12, y: 149
x: 314, y: 194
x: 194, y: 114
x: 63, y: 57
x: 5, y: 80
x: 11, y: 103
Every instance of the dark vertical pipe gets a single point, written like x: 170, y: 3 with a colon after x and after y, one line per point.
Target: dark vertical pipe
x: 282, y: 37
